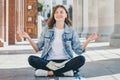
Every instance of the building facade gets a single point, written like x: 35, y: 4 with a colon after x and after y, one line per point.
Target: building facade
x: 100, y: 16
x: 16, y: 15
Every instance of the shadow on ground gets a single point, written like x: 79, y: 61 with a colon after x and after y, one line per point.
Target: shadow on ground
x: 101, y: 68
x: 17, y: 74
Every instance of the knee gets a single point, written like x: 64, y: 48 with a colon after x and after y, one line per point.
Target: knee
x: 81, y: 59
x: 31, y: 59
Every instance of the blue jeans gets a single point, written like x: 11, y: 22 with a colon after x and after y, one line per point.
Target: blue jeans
x: 74, y: 64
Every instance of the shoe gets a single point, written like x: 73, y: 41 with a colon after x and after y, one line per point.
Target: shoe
x: 40, y: 72
x: 69, y: 73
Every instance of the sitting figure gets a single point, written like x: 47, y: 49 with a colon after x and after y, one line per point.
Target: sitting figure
x: 57, y: 42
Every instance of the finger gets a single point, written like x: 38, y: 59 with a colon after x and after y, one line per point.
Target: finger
x: 99, y: 35
x: 94, y: 33
x: 19, y: 32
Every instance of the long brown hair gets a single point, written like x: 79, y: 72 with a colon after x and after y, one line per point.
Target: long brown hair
x: 51, y: 21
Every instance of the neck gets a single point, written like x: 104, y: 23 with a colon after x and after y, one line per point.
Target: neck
x: 60, y: 25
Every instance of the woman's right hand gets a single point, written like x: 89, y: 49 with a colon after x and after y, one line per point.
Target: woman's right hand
x: 23, y: 34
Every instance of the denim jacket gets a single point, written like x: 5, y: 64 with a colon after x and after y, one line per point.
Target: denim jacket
x: 70, y: 40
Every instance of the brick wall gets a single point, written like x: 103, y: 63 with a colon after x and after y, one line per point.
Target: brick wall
x: 31, y: 27
x: 11, y: 22
x: 0, y: 18
x: 5, y: 20
x: 1, y: 44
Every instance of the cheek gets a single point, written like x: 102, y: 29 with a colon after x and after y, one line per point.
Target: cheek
x: 65, y: 15
x: 58, y: 16
x: 54, y: 16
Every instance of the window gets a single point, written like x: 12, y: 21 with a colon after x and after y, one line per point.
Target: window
x: 29, y: 7
x: 64, y: 2
x: 54, y: 3
x: 29, y: 19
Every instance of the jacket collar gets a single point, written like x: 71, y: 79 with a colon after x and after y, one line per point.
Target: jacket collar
x: 66, y: 28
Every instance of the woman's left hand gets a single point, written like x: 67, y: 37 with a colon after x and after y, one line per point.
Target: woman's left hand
x: 92, y: 37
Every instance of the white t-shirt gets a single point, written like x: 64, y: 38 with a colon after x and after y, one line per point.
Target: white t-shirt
x: 57, y: 47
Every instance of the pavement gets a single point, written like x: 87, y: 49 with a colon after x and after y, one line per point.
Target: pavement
x: 102, y: 63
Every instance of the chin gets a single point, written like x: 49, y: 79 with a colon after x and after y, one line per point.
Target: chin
x: 59, y: 20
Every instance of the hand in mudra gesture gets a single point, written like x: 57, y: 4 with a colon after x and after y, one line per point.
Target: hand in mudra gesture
x: 23, y: 34
x: 93, y: 36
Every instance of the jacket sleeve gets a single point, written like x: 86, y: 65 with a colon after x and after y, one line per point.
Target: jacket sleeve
x: 76, y: 44
x: 41, y: 40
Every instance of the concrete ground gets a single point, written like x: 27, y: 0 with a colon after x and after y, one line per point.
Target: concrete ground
x: 102, y: 63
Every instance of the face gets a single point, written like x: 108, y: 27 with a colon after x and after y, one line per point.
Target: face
x: 60, y: 14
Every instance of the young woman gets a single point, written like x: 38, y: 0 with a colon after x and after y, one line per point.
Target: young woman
x: 57, y: 42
